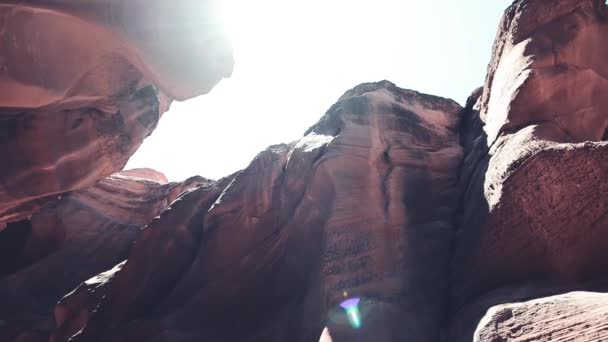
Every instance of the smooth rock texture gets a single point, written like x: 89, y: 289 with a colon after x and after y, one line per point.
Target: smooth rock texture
x: 82, y: 83
x: 74, y: 238
x: 548, y: 67
x: 51, y: 150
x: 269, y: 253
x: 576, y: 316
x: 94, y: 45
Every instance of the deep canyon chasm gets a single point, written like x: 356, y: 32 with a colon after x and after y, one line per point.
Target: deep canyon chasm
x: 485, y: 223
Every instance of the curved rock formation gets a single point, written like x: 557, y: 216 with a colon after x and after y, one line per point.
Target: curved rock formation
x: 74, y: 238
x: 82, y: 83
x: 96, y: 48
x: 548, y: 68
x: 341, y: 213
x: 534, y: 193
x: 399, y: 216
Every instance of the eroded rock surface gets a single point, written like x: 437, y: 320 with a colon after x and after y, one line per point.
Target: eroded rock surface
x: 269, y: 253
x: 576, y: 316
x: 73, y: 238
x: 535, y: 199
x: 96, y: 47
x: 399, y: 216
x: 82, y: 83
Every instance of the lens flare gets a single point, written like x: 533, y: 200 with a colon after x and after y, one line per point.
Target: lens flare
x: 351, y: 307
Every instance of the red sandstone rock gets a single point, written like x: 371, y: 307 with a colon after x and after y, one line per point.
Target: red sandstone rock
x: 74, y: 310
x: 548, y: 68
x: 365, y: 205
x: 97, y: 48
x: 82, y: 83
x: 266, y: 255
x: 577, y: 316
x: 534, y: 192
x: 74, y: 238
x: 463, y: 324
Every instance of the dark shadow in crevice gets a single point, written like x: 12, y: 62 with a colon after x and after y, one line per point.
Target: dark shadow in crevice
x: 12, y: 242
x: 472, y: 208
x: 602, y: 10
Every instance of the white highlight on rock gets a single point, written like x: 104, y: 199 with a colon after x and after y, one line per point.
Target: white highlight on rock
x: 510, y: 75
x: 310, y: 143
x: 325, y: 336
x: 219, y: 199
x: 313, y: 141
x: 105, y: 276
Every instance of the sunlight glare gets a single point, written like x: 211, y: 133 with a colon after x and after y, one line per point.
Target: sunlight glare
x: 351, y: 307
x: 294, y: 59
x: 270, y: 34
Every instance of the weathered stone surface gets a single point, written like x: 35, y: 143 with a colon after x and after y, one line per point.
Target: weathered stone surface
x: 83, y: 49
x: 73, y: 311
x: 535, y: 200
x: 54, y: 149
x: 548, y: 68
x: 535, y: 187
x: 463, y: 323
x: 576, y: 316
x: 265, y: 254
x: 72, y: 239
x: 374, y: 203
x: 82, y: 83
x: 389, y: 238
x: 164, y: 254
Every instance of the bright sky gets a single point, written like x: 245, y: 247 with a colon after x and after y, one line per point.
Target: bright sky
x: 295, y: 58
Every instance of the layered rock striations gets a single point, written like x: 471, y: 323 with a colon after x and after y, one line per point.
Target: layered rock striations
x: 82, y: 83
x: 577, y: 316
x: 72, y: 239
x: 534, y: 186
x: 270, y: 253
x: 399, y: 216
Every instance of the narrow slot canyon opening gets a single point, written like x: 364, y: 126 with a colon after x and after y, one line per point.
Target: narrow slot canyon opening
x: 282, y: 93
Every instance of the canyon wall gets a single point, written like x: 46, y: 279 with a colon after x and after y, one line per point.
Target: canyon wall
x: 398, y: 216
x: 534, y: 195
x: 82, y: 83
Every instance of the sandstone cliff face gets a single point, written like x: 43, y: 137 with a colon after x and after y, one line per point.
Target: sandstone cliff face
x: 82, y: 83
x: 534, y: 193
x: 271, y: 252
x: 399, y: 216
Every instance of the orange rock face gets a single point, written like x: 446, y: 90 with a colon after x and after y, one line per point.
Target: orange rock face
x: 271, y: 252
x: 534, y: 192
x: 83, y: 83
x: 399, y: 216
